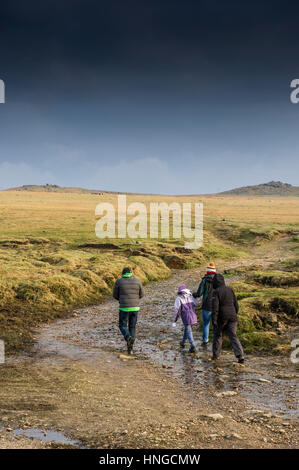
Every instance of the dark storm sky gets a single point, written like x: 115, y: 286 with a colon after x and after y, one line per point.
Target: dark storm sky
x: 148, y: 96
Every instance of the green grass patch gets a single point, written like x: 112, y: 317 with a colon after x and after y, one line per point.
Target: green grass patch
x: 274, y: 278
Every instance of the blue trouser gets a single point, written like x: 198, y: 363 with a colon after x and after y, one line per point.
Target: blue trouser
x: 187, y: 336
x: 206, y: 318
x: 127, y: 324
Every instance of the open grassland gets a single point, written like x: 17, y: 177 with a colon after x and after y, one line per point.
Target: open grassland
x: 51, y: 260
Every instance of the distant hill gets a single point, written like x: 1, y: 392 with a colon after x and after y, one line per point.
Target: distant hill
x: 54, y: 188
x: 49, y: 188
x: 273, y: 188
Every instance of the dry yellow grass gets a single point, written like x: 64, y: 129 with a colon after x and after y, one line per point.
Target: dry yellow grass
x: 72, y: 215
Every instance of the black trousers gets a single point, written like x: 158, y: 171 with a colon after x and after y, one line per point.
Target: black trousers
x: 230, y: 327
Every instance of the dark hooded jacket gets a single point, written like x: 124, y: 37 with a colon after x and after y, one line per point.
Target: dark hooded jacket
x: 205, y: 289
x: 224, y: 302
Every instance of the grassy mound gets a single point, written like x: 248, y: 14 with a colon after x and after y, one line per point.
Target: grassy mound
x: 275, y: 278
x: 266, y: 313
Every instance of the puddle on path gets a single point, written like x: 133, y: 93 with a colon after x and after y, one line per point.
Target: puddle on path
x: 47, y: 436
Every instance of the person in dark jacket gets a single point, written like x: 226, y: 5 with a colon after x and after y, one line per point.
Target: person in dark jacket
x: 205, y: 289
x: 224, y: 317
x: 128, y: 291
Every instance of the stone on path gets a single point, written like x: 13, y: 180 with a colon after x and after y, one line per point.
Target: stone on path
x: 227, y: 393
x: 214, y: 416
x: 125, y: 357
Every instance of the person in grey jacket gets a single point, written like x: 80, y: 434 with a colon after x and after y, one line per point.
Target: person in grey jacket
x: 128, y: 291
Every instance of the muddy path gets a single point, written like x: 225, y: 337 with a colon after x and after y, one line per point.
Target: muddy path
x: 97, y: 396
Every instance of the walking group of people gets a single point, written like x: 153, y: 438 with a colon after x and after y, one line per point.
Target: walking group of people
x: 219, y: 304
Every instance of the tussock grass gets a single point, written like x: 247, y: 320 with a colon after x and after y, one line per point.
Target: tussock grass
x: 291, y: 265
x: 275, y: 278
x: 266, y: 311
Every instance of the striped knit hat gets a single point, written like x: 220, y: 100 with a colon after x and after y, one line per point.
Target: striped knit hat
x: 211, y: 268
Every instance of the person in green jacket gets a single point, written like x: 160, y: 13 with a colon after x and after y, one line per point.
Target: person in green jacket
x: 128, y: 291
x: 205, y: 290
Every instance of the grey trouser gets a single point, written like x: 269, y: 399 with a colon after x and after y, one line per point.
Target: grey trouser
x: 230, y: 327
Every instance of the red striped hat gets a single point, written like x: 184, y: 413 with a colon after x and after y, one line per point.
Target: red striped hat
x: 211, y: 268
